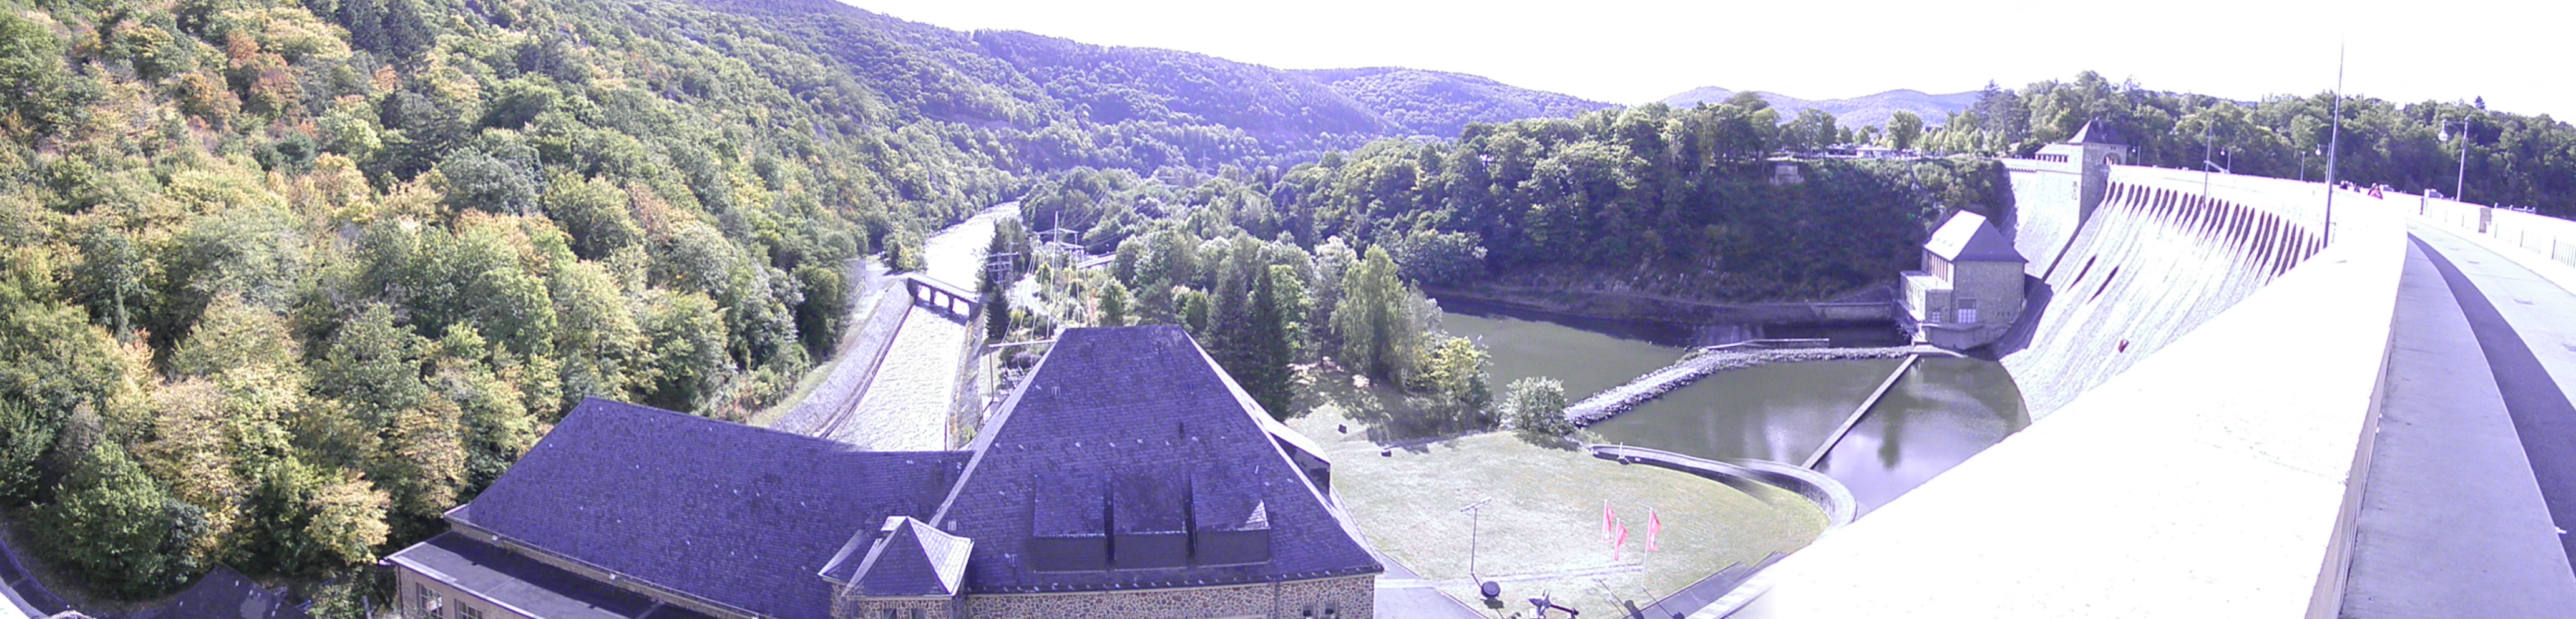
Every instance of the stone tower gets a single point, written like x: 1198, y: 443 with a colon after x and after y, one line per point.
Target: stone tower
x: 2094, y: 149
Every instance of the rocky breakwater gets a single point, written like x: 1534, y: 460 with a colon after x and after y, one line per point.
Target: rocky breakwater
x: 1705, y: 361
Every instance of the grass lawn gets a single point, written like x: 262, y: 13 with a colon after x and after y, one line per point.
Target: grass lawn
x: 1541, y: 534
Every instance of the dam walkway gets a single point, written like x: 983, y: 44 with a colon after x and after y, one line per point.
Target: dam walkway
x: 2472, y: 482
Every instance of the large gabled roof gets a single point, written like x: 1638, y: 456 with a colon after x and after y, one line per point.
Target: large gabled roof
x: 1120, y: 429
x: 727, y: 513
x: 1967, y: 237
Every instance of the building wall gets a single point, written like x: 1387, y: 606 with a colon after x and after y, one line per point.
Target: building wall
x: 930, y: 608
x: 1927, y: 298
x: 1353, y: 597
x: 455, y: 601
x: 1997, y: 289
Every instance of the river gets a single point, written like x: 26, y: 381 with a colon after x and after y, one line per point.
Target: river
x: 1943, y: 411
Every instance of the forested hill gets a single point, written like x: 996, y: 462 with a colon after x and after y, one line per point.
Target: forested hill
x: 1440, y: 104
x: 1029, y: 81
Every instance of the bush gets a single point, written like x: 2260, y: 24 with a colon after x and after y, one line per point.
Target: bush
x: 1536, y: 406
x: 113, y: 522
x: 25, y: 434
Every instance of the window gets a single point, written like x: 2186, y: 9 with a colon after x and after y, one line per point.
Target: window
x: 1967, y: 311
x: 468, y: 611
x: 425, y: 600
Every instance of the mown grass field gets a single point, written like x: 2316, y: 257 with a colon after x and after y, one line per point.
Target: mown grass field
x: 1542, y: 532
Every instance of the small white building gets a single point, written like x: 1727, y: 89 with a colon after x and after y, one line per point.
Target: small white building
x: 1970, y: 289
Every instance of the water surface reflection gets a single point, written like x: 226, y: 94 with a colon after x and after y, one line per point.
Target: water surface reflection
x: 1943, y: 411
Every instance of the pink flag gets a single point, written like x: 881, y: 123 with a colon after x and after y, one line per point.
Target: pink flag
x: 1618, y: 542
x: 1609, y: 519
x: 1654, y: 527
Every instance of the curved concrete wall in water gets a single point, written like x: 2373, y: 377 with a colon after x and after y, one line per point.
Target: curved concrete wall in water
x: 2160, y: 256
x: 2211, y: 469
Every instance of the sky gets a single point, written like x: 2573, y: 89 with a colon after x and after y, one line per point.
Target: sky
x: 2516, y: 54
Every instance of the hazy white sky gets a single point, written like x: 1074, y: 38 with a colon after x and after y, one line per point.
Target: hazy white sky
x: 2518, y: 54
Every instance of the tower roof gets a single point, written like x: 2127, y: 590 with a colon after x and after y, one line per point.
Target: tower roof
x: 1967, y: 237
x: 2097, y: 132
x: 907, y: 558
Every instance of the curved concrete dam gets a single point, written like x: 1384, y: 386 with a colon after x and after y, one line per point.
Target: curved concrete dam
x: 2158, y: 257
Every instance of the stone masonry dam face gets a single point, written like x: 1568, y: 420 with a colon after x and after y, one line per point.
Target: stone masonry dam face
x: 2159, y: 256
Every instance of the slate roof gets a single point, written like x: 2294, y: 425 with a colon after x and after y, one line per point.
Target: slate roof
x: 1135, y: 430
x: 518, y: 582
x: 905, y: 558
x: 226, y: 594
x: 1967, y: 237
x: 726, y: 513
x: 2097, y: 132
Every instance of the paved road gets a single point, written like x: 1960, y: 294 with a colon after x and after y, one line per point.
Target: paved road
x: 2454, y: 521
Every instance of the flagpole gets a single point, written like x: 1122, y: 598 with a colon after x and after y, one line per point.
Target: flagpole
x: 2334, y: 141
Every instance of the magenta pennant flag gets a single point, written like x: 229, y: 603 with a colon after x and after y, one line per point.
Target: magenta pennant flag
x: 1654, y: 527
x: 1618, y: 542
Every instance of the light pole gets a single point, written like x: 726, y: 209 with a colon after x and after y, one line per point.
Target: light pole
x: 2209, y: 162
x: 1475, y: 519
x: 2334, y: 141
x: 2460, y: 187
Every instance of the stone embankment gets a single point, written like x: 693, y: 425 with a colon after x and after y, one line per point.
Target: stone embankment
x: 1714, y: 359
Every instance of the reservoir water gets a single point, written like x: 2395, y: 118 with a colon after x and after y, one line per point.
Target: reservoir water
x: 1940, y: 413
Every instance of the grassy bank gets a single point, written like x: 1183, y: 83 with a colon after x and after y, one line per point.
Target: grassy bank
x: 1541, y: 534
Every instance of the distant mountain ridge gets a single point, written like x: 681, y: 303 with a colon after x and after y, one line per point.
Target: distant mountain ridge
x: 1191, y: 102
x: 1440, y: 103
x: 1871, y: 110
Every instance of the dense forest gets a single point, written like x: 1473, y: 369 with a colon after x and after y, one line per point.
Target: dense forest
x: 1647, y: 199
x: 281, y: 282
x: 2512, y: 159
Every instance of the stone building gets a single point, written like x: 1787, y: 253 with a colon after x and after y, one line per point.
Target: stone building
x: 1970, y: 289
x: 1127, y: 477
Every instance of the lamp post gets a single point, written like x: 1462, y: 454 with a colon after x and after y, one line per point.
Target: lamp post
x: 2460, y: 187
x: 1475, y: 519
x: 2209, y: 161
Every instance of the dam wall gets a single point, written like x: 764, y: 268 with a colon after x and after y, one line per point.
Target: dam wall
x: 2211, y: 469
x: 2162, y: 254
x: 2045, y: 210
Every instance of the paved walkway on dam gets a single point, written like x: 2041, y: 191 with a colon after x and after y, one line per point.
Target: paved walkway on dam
x: 2453, y: 521
x: 2527, y: 326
